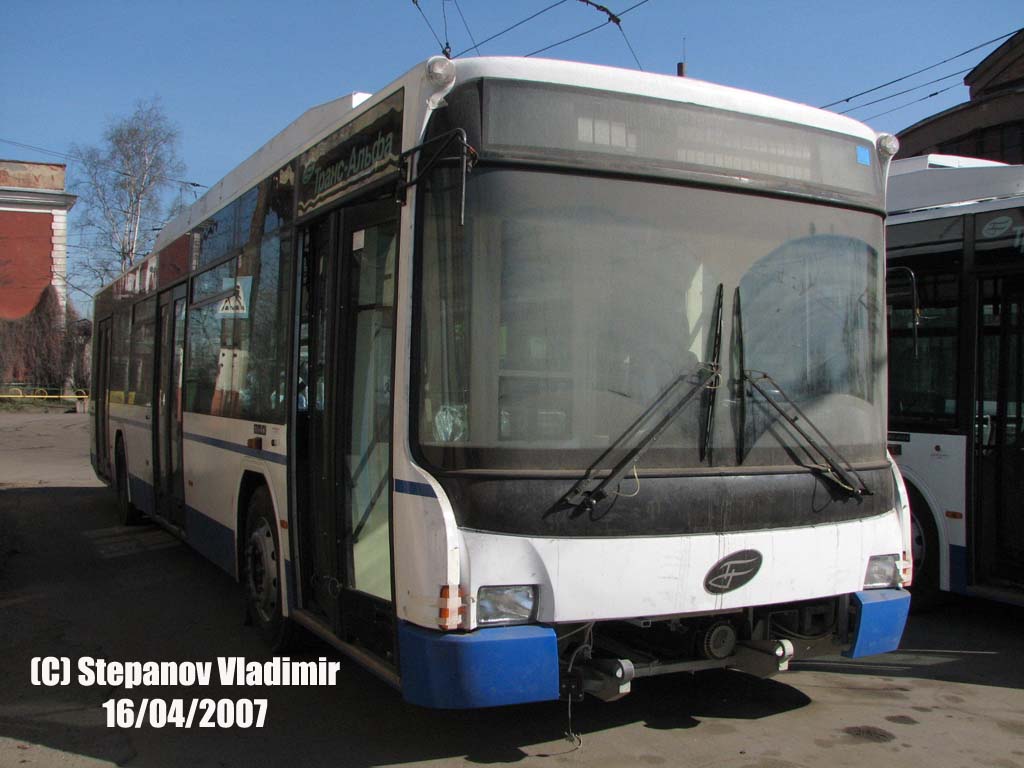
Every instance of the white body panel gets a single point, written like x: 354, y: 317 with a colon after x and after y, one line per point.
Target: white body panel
x: 936, y: 465
x: 213, y: 473
x: 133, y: 422
x: 594, y: 579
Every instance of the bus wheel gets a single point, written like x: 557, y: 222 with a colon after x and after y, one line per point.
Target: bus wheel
x: 127, y: 513
x: 924, y: 538
x: 261, y: 569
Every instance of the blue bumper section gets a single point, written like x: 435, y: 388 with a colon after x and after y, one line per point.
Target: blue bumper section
x: 486, y: 668
x: 883, y: 614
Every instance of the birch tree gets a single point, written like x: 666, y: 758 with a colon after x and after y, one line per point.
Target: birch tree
x: 121, y: 186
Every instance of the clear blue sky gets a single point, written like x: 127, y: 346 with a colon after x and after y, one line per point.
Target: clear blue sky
x: 231, y: 74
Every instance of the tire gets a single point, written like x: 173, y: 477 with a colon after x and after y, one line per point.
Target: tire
x: 127, y: 513
x: 261, y: 571
x: 925, y: 592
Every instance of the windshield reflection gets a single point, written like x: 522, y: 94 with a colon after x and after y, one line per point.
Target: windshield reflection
x: 548, y: 324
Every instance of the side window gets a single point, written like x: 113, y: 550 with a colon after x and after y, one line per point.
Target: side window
x: 262, y: 331
x: 120, y: 349
x: 210, y: 340
x: 923, y: 385
x: 140, y: 369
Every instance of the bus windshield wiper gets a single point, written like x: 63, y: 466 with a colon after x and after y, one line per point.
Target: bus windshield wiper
x: 836, y: 467
x: 587, y: 498
x: 712, y: 391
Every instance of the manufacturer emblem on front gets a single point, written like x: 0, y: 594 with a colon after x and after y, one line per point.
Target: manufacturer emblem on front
x: 733, y: 571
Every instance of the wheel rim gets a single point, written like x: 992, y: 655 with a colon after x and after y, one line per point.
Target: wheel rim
x: 918, y: 547
x: 261, y: 557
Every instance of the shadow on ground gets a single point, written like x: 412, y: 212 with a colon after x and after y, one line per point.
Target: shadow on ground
x: 76, y: 584
x: 960, y: 641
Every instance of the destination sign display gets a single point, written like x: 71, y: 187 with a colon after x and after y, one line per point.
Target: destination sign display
x: 356, y: 155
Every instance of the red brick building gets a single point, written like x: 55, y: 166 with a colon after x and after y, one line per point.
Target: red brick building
x: 33, y: 237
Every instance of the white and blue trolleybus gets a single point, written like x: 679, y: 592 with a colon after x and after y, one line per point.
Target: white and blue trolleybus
x: 956, y: 370
x: 521, y: 379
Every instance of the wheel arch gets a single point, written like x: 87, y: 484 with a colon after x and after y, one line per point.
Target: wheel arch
x: 250, y: 482
x: 121, y: 455
x: 917, y: 489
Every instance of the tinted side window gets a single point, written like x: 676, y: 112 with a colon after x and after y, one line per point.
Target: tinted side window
x: 140, y: 376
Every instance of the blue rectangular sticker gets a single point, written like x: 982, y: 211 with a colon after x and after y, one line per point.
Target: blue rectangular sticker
x: 864, y: 155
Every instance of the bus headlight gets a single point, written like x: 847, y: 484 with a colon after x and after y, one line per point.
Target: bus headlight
x: 506, y: 605
x: 882, y: 572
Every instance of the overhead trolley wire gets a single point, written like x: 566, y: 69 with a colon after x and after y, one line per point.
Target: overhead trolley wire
x: 915, y: 101
x: 112, y: 168
x: 466, y: 25
x: 908, y: 90
x: 509, y: 29
x: 445, y: 50
x: 613, y: 18
x: 918, y: 72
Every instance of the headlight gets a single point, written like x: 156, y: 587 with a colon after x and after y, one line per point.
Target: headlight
x: 882, y: 572
x: 506, y: 605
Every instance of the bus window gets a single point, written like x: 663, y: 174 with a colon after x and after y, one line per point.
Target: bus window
x: 924, y: 387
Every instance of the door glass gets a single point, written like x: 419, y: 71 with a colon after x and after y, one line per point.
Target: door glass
x: 1000, y: 525
x: 177, y: 478
x: 313, y: 433
x: 368, y: 456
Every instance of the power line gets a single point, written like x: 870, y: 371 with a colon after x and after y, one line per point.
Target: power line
x: 618, y: 23
x: 67, y: 156
x: 605, y: 23
x: 918, y: 72
x: 444, y: 17
x: 430, y: 26
x: 466, y: 25
x: 509, y: 29
x: 915, y: 101
x: 908, y: 90
x: 628, y: 45
x: 569, y: 39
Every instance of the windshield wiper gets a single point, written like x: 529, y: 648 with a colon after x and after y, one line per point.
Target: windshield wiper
x: 845, y: 477
x: 580, y: 496
x: 712, y: 391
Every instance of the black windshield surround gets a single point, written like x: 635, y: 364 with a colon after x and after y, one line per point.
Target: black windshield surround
x: 518, y: 415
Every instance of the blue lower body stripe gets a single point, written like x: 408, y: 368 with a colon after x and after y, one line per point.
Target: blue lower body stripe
x: 414, y: 489
x: 486, y: 668
x: 882, y: 615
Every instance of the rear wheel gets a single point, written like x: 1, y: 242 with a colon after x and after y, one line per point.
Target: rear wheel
x: 261, y: 571
x: 925, y: 590
x: 127, y: 513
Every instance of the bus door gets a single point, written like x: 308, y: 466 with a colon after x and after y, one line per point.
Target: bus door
x: 100, y: 398
x: 999, y: 525
x: 168, y: 475
x: 347, y: 358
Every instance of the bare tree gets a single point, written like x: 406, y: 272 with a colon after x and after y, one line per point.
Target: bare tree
x: 121, y: 186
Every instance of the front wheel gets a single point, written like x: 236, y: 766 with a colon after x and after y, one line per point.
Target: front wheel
x: 261, y: 571
x: 925, y: 591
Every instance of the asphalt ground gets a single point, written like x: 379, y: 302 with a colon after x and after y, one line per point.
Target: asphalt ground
x: 73, y: 583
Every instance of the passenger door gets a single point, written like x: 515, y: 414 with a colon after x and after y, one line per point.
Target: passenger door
x: 343, y: 428
x: 101, y: 442
x: 168, y: 474
x: 999, y: 528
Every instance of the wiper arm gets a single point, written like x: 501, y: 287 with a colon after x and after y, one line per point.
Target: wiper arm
x: 580, y: 496
x: 716, y: 354
x: 845, y: 477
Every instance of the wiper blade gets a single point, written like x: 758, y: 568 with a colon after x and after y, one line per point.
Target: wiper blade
x: 712, y: 391
x: 580, y: 496
x: 845, y: 477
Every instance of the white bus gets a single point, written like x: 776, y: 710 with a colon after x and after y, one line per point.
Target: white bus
x: 956, y: 369
x: 520, y: 379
